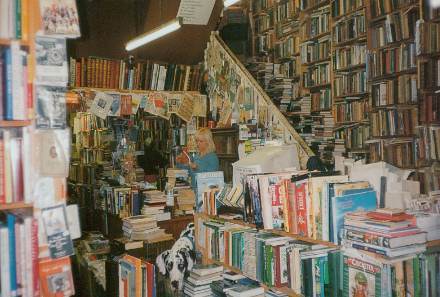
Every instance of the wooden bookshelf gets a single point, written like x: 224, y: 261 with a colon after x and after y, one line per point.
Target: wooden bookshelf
x: 90, y: 89
x: 433, y: 243
x: 278, y: 232
x: 8, y: 124
x: 7, y: 42
x: 15, y: 206
x: 284, y: 290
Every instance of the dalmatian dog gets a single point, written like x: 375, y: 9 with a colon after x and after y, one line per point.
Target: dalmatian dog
x: 177, y: 262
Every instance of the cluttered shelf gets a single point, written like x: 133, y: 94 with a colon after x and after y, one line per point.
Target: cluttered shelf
x: 278, y: 232
x: 284, y: 290
x: 126, y: 90
x: 15, y: 205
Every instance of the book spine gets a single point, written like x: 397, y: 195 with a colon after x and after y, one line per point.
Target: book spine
x: 12, y: 258
x: 35, y: 251
x: 7, y: 103
x: 18, y: 22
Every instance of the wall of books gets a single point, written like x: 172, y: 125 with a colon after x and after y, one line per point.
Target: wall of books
x: 36, y: 225
x: 354, y: 78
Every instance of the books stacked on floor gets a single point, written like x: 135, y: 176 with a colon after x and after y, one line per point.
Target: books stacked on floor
x: 388, y: 232
x: 140, y: 174
x: 137, y: 277
x: 143, y: 227
x: 200, y: 278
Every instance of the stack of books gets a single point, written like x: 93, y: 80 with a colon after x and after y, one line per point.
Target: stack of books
x: 388, y: 232
x: 143, y: 228
x: 185, y: 201
x: 154, y: 205
x: 199, y: 281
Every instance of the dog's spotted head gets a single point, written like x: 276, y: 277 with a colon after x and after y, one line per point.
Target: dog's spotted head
x: 176, y: 264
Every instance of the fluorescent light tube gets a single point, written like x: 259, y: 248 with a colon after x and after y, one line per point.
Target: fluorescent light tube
x: 228, y: 3
x: 154, y: 34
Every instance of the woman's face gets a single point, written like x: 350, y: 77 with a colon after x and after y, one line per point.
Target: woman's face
x: 202, y: 144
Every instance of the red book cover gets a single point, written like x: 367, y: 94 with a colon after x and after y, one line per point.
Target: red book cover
x: 150, y: 279
x: 56, y: 277
x: 388, y: 218
x: 301, y: 208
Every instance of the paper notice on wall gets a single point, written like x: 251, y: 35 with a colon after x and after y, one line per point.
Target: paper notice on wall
x: 200, y: 106
x: 195, y: 12
x: 186, y: 108
x: 101, y: 105
x: 174, y: 101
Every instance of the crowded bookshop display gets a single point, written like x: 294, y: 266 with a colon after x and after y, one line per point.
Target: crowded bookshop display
x: 298, y: 155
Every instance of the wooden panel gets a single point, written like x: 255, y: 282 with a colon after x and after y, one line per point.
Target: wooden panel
x: 176, y: 225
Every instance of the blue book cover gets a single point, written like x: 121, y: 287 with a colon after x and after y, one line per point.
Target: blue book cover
x: 356, y: 191
x: 7, y: 104
x: 349, y: 203
x: 12, y: 261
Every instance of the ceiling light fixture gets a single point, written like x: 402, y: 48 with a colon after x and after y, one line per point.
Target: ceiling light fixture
x: 154, y: 34
x: 228, y: 3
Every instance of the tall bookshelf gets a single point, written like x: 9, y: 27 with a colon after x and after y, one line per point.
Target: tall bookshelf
x: 315, y: 68
x: 428, y: 78
x: 349, y: 84
x: 392, y: 79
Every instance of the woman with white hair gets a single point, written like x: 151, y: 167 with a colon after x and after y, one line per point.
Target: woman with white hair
x: 205, y: 161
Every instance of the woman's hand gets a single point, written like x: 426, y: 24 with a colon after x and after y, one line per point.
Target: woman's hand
x: 182, y: 159
x: 193, y: 165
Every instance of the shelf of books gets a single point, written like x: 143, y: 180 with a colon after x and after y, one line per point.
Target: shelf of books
x: 291, y: 225
x: 349, y: 84
x: 36, y: 240
x: 315, y: 71
x: 428, y: 78
x: 392, y: 80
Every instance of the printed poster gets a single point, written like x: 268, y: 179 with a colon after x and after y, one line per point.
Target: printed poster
x: 60, y: 17
x: 101, y: 105
x: 186, y: 108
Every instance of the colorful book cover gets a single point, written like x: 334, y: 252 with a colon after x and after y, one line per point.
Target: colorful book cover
x: 207, y: 180
x: 349, y: 203
x: 301, y: 208
x: 56, y: 278
x: 361, y: 279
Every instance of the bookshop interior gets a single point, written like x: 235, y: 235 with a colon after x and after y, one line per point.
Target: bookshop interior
x: 232, y: 148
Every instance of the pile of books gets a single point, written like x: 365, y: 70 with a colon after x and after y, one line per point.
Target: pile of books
x: 388, y: 232
x: 185, y: 201
x: 143, y: 228
x: 154, y: 205
x: 200, y: 278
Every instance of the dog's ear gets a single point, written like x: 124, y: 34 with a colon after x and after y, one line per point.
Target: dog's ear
x: 160, y: 262
x: 190, y: 256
